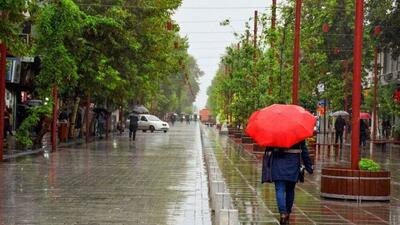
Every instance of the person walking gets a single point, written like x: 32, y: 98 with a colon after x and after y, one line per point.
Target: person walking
x: 282, y: 166
x: 340, y: 123
x: 133, y: 126
x: 363, y: 133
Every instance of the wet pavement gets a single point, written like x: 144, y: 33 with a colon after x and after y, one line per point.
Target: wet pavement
x: 158, y: 179
x: 256, y: 202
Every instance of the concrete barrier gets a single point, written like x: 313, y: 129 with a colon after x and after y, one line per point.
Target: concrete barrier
x: 227, y: 217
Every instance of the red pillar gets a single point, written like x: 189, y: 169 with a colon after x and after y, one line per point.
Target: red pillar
x: 356, y: 98
x: 295, y: 83
x: 54, y: 123
x: 255, y: 30
x: 87, y: 118
x: 3, y: 64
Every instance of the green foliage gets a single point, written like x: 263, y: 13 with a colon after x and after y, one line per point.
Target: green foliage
x: 369, y: 164
x: 25, y: 131
x: 250, y: 84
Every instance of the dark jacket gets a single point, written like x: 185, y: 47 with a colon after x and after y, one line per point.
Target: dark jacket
x: 133, y: 122
x: 339, y: 124
x: 279, y: 165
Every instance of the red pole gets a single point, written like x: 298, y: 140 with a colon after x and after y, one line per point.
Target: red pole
x: 295, y: 83
x: 255, y: 30
x: 87, y: 118
x: 375, y: 93
x: 273, y: 23
x: 54, y: 123
x: 356, y: 98
x: 3, y: 64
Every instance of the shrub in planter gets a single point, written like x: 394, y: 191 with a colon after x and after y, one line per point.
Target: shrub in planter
x: 369, y: 164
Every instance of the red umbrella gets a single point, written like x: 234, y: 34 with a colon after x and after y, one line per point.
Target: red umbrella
x: 365, y: 116
x: 280, y: 125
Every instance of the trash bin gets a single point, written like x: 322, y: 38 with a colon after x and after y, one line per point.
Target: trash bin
x: 63, y: 131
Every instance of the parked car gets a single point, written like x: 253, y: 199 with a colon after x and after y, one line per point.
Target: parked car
x: 152, y: 123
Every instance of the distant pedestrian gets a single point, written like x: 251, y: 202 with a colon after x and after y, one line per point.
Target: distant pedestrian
x: 100, y: 124
x: 173, y: 119
x: 282, y: 167
x: 133, y: 126
x: 187, y: 118
x: 386, y: 127
x: 7, y: 118
x: 340, y: 123
x: 363, y: 133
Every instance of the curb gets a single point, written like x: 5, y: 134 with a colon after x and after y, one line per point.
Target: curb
x: 221, y: 201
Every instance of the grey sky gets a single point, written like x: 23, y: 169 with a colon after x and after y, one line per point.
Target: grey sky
x: 199, y: 21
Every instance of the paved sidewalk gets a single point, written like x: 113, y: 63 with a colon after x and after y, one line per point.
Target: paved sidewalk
x: 158, y: 179
x: 256, y: 202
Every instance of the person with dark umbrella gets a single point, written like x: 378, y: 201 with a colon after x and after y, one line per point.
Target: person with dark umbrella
x: 340, y: 123
x: 133, y: 125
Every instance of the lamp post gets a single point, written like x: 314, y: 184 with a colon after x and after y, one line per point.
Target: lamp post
x: 356, y: 98
x: 296, y: 54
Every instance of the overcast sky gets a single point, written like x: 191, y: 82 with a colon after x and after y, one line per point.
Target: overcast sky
x: 199, y: 20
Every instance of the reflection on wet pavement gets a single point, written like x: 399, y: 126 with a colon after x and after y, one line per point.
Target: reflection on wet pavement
x: 256, y: 202
x: 159, y: 179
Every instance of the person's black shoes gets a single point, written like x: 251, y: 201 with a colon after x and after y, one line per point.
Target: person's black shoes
x: 284, y: 219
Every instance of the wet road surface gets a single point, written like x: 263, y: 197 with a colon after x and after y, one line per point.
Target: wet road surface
x: 256, y: 202
x: 158, y: 179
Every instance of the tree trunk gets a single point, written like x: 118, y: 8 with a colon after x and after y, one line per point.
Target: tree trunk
x: 73, y: 118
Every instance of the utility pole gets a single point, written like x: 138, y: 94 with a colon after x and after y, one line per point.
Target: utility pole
x: 3, y: 63
x: 356, y: 98
x: 296, y: 54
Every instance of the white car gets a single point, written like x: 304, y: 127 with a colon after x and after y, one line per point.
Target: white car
x: 152, y: 123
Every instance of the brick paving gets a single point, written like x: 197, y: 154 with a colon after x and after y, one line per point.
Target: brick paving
x: 256, y: 202
x: 158, y: 179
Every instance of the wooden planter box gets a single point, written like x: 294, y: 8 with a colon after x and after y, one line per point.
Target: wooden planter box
x: 345, y: 183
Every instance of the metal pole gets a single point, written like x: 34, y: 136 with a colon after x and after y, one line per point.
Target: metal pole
x: 87, y: 118
x: 296, y: 54
x: 356, y: 98
x: 54, y: 122
x: 375, y: 124
x: 3, y: 64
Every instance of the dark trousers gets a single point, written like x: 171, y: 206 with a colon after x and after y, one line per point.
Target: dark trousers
x: 284, y: 192
x: 132, y: 132
x: 339, y: 137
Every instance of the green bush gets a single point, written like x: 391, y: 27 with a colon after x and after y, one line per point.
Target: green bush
x: 369, y: 164
x: 24, y: 132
